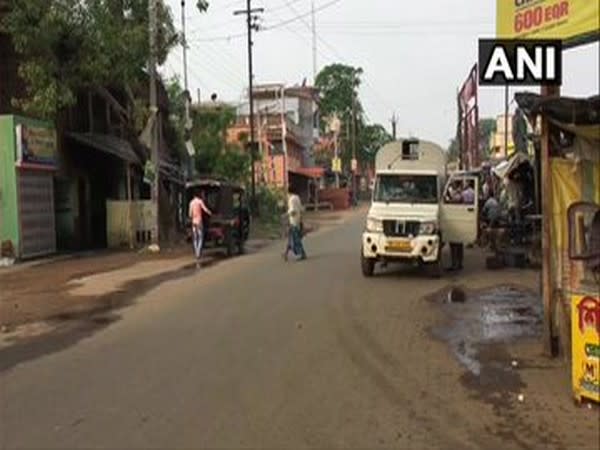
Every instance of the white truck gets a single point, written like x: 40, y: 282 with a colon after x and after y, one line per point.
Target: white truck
x: 414, y: 210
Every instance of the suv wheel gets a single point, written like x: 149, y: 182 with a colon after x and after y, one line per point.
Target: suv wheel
x: 367, y: 265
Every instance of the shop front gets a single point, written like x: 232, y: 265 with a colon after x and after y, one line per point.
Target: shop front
x: 27, y: 165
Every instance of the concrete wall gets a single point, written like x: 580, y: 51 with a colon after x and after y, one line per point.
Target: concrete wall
x: 129, y: 223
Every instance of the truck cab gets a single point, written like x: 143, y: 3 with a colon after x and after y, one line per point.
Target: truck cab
x: 415, y: 209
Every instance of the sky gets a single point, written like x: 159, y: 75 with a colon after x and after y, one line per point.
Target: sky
x: 415, y: 54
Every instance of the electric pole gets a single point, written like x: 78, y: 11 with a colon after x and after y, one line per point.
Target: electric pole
x: 152, y: 20
x: 354, y: 166
x: 251, y: 24
x: 394, y: 123
x: 188, y: 97
x: 314, y: 42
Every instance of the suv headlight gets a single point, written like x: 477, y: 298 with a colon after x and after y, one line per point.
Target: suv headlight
x: 428, y: 228
x: 374, y: 225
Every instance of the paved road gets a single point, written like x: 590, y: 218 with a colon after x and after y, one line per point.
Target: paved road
x: 256, y: 353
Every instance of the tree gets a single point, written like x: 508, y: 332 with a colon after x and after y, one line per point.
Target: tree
x: 372, y: 138
x: 69, y: 45
x: 453, y: 150
x: 487, y: 127
x: 233, y: 164
x: 338, y: 84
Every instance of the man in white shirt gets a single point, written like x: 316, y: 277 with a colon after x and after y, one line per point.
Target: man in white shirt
x: 294, y: 214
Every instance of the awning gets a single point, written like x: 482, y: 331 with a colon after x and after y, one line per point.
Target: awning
x: 309, y: 172
x: 109, y: 144
x: 505, y: 168
x: 580, y: 116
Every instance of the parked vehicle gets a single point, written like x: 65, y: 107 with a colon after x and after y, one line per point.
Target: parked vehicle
x: 412, y: 214
x: 229, y: 226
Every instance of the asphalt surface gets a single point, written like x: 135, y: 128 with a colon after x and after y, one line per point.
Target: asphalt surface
x: 258, y: 353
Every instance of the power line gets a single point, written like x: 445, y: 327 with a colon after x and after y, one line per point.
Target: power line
x: 232, y: 76
x: 334, y: 53
x: 302, y: 16
x: 280, y: 24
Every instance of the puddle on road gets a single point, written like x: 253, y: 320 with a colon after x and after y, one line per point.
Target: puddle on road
x: 477, y: 329
x: 490, y: 316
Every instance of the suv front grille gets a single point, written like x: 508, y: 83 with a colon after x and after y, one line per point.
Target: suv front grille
x: 400, y: 228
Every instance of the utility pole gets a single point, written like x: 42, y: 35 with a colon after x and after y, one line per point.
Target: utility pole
x: 354, y: 161
x: 506, y: 95
x: 188, y: 96
x: 394, y: 123
x: 251, y: 16
x: 284, y: 140
x: 152, y: 20
x: 184, y: 46
x: 314, y: 42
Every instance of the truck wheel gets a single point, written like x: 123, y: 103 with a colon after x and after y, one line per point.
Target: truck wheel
x: 367, y: 265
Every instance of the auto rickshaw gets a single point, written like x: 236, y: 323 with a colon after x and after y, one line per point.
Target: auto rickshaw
x: 229, y: 226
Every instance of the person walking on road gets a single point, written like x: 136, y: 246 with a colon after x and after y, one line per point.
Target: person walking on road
x: 295, y: 227
x: 197, y: 207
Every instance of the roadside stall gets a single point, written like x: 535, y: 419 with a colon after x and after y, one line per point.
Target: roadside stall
x: 574, y: 237
x: 513, y: 233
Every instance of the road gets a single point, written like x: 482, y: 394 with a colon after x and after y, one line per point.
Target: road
x: 263, y: 354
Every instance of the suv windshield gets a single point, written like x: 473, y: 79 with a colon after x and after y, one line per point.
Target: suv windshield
x: 406, y: 189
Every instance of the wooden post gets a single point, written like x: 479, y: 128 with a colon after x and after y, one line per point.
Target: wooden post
x: 547, y: 290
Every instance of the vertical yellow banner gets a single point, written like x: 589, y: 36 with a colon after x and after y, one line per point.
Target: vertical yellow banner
x: 585, y: 337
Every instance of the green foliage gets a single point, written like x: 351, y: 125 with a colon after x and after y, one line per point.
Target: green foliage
x: 68, y: 45
x: 453, y: 150
x: 209, y: 135
x: 202, y: 5
x: 272, y: 203
x: 234, y: 165
x: 338, y: 84
x: 487, y: 127
x: 372, y: 138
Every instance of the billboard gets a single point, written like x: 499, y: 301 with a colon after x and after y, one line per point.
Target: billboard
x: 36, y: 145
x: 572, y: 21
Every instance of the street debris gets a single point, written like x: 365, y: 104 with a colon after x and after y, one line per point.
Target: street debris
x: 521, y: 398
x: 456, y: 295
x: 153, y: 248
x: 6, y: 262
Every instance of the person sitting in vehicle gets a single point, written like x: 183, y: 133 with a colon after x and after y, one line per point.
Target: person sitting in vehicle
x: 468, y: 194
x: 454, y: 192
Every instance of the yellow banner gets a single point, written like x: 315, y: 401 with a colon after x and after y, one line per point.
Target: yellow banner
x: 569, y: 20
x: 585, y: 341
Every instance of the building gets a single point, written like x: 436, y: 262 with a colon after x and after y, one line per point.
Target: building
x: 28, y: 161
x: 500, y: 147
x: 286, y: 129
x: 61, y: 183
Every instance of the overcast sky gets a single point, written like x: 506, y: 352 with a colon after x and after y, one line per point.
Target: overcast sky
x: 415, y: 54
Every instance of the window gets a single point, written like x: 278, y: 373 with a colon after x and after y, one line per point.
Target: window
x: 410, y: 150
x: 460, y: 191
x: 406, y: 189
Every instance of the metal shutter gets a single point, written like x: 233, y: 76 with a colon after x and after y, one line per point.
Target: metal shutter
x: 36, y: 213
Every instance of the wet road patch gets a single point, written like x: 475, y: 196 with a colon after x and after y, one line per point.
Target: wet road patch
x: 477, y: 327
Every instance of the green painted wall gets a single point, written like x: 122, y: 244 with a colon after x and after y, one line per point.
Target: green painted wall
x: 9, y: 224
